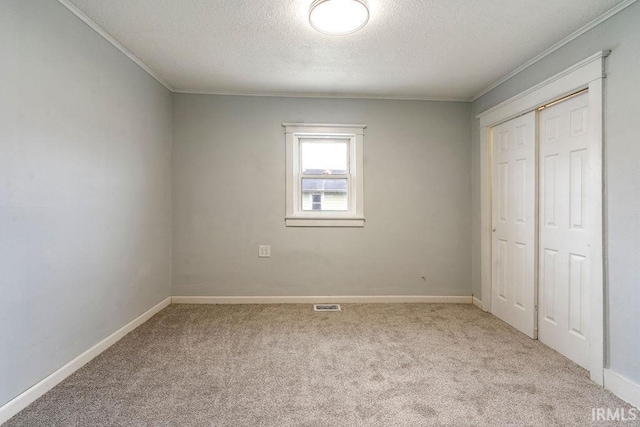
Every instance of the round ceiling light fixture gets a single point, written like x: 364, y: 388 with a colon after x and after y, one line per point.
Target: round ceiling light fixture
x: 338, y: 17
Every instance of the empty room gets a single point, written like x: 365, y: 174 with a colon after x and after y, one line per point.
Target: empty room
x: 319, y: 212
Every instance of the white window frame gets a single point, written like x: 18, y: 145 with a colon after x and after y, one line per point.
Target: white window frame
x: 354, y: 135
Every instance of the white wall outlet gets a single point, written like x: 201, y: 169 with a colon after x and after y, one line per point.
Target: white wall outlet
x: 264, y: 251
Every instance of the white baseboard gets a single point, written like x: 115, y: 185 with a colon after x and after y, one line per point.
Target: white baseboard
x: 322, y: 299
x: 622, y: 387
x: 23, y: 400
x: 477, y: 303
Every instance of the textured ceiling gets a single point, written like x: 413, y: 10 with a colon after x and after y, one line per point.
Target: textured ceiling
x: 449, y: 49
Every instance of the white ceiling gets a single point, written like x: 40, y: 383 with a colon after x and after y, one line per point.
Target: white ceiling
x: 417, y: 49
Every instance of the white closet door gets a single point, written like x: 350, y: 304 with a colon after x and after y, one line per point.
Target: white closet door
x: 564, y: 249
x: 514, y: 223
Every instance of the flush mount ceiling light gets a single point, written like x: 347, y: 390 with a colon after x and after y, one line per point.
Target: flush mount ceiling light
x: 338, y: 17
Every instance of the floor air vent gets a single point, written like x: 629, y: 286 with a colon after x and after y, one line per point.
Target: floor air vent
x: 326, y: 307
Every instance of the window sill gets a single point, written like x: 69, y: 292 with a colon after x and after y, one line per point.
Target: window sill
x: 324, y: 222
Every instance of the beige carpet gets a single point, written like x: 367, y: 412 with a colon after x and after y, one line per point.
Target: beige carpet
x: 286, y: 365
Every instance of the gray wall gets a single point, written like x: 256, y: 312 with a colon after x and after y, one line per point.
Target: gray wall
x: 621, y: 34
x: 85, y: 145
x: 229, y: 196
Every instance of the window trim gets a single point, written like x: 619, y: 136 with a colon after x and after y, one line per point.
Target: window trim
x: 354, y: 216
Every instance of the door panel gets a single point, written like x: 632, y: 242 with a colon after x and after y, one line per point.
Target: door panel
x: 564, y: 249
x: 514, y: 223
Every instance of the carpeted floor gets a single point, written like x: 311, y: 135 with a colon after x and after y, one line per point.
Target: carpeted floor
x: 286, y: 365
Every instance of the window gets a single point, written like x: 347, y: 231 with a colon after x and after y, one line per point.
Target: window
x: 325, y: 185
x: 316, y: 202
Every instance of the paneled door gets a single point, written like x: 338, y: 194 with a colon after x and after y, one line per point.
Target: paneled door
x: 564, y: 235
x: 514, y: 223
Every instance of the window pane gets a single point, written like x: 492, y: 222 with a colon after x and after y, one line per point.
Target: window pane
x: 320, y: 157
x: 324, y: 194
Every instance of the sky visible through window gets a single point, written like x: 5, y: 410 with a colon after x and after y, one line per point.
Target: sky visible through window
x: 324, y: 157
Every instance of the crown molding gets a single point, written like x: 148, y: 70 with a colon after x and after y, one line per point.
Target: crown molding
x: 98, y: 29
x: 608, y: 14
x: 319, y: 95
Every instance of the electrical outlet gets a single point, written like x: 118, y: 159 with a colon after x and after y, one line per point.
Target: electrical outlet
x: 264, y: 251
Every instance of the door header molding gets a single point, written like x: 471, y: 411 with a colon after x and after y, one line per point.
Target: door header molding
x: 570, y: 80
